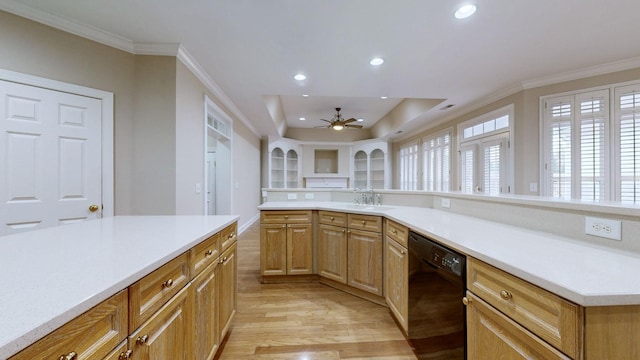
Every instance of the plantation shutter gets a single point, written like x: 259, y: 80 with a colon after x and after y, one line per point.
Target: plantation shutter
x: 468, y: 176
x: 409, y: 167
x: 491, y: 167
x: 628, y: 125
x: 593, y: 126
x: 558, y: 159
x: 436, y: 162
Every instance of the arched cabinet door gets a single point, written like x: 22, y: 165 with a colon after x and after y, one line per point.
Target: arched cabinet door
x: 360, y: 170
x: 376, y: 169
x: 291, y: 169
x: 277, y: 168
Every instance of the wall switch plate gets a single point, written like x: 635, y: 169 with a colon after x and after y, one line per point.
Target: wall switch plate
x: 610, y: 229
x: 292, y: 196
x: 445, y: 203
x: 308, y: 196
x: 533, y: 187
x: 198, y: 188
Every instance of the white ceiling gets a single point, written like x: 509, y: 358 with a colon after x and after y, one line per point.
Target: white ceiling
x: 253, y: 48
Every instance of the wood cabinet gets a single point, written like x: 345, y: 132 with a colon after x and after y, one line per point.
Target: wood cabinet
x: 148, y: 294
x: 364, y: 249
x: 91, y: 335
x: 164, y: 315
x: 492, y: 335
x: 332, y: 252
x: 167, y: 333
x: 351, y: 255
x: 396, y: 276
x: 286, y: 243
x: 206, y: 333
x: 548, y: 316
x: 228, y: 290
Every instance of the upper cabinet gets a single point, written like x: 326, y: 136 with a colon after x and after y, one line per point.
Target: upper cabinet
x: 284, y: 165
x: 371, y: 165
x: 361, y: 165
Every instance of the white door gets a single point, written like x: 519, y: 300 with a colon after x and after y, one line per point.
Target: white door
x: 211, y: 183
x: 50, y: 159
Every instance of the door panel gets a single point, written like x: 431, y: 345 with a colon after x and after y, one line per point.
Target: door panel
x: 51, y: 159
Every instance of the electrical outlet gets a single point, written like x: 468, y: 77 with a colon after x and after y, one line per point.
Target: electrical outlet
x: 308, y: 196
x: 292, y: 196
x: 445, y: 203
x: 610, y: 229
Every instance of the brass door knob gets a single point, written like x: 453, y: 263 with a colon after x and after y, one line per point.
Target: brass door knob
x: 125, y: 355
x: 93, y: 207
x: 70, y: 356
x: 505, y: 294
x: 209, y: 252
x: 466, y: 301
x: 167, y: 283
x: 141, y: 340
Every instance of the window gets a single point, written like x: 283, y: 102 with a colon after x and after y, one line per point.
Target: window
x: 485, y: 152
x: 436, y: 160
x: 591, y: 150
x: 627, y: 117
x: 409, y: 167
x: 576, y: 129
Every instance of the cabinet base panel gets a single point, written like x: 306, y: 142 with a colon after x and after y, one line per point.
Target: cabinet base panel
x: 353, y: 291
x: 277, y: 279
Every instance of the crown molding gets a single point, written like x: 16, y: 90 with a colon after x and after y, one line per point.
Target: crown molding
x: 190, y: 62
x: 582, y: 73
x: 121, y: 43
x: 82, y: 30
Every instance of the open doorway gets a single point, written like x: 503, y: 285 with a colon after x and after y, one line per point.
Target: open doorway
x: 218, y: 171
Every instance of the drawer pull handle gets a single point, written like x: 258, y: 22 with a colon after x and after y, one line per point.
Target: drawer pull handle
x: 505, y: 294
x: 394, y: 232
x: 286, y: 217
x: 402, y: 252
x: 70, y: 356
x: 141, y: 340
x: 232, y: 235
x: 209, y: 252
x: 363, y: 222
x: 167, y: 284
x: 466, y: 301
x: 332, y: 218
x: 125, y: 355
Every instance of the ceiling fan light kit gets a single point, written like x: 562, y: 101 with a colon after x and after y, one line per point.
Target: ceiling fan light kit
x: 338, y: 122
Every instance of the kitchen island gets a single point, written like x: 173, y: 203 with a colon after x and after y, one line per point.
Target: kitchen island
x: 54, y: 275
x: 538, y: 290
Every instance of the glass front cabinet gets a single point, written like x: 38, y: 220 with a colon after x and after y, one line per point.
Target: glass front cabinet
x: 284, y: 165
x: 371, y: 166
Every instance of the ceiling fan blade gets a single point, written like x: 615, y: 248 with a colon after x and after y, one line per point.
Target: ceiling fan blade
x: 353, y: 126
x: 329, y: 121
x: 323, y: 126
x: 349, y: 120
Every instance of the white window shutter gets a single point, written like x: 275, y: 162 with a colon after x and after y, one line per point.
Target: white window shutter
x: 593, y: 122
x: 628, y: 117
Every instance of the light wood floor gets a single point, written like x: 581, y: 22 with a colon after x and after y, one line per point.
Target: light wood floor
x: 305, y: 321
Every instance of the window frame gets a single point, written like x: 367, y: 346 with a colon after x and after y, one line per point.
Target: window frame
x: 506, y: 133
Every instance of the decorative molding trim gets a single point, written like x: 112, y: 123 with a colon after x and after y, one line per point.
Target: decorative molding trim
x: 193, y: 65
x: 156, y: 49
x: 82, y: 30
x: 583, y: 73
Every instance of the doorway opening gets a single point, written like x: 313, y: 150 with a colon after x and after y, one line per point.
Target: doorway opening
x: 217, y: 160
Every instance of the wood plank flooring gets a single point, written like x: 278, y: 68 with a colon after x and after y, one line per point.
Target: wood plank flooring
x: 305, y: 321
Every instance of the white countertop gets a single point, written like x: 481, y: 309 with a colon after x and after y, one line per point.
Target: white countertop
x: 52, y: 275
x: 586, y: 274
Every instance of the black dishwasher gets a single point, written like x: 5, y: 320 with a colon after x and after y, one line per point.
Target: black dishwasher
x: 437, y: 322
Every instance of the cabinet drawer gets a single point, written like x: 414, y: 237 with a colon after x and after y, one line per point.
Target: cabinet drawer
x: 151, y: 292
x: 332, y: 218
x: 228, y: 236
x: 365, y: 222
x: 204, y: 254
x: 285, y: 216
x: 397, y: 232
x: 557, y: 321
x: 91, y: 335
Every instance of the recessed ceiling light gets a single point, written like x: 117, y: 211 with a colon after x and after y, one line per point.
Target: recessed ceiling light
x: 360, y: 120
x: 383, y: 97
x: 465, y: 11
x: 376, y: 61
x: 299, y: 77
x: 305, y: 95
x: 302, y: 119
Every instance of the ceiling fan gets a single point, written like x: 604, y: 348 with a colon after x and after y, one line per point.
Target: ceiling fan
x: 339, y: 123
